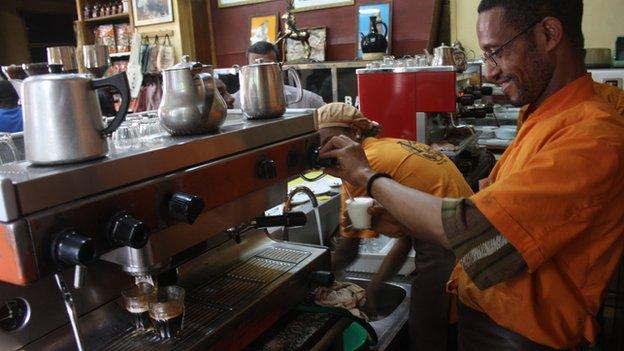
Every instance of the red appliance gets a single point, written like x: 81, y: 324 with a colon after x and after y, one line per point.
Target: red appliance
x: 400, y: 98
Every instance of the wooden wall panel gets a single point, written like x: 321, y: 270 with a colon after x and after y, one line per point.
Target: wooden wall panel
x: 411, y: 28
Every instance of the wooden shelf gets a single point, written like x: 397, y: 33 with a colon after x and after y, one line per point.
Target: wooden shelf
x: 112, y: 18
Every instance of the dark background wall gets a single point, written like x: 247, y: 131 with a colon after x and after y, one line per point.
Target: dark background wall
x: 412, y: 23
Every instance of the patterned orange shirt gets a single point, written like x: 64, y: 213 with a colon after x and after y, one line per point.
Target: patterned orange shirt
x: 556, y: 196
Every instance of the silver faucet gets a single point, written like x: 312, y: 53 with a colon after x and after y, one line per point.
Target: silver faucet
x: 288, y: 207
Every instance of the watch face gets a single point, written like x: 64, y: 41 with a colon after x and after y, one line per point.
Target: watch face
x: 616, y: 82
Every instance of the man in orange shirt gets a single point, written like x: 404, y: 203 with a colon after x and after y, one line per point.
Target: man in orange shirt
x: 417, y: 166
x: 537, y: 247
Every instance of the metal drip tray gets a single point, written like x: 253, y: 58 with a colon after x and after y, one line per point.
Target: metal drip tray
x: 197, y: 320
x: 209, y: 305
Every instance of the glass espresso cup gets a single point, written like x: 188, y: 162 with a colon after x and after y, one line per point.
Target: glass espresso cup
x: 166, y: 310
x: 136, y: 300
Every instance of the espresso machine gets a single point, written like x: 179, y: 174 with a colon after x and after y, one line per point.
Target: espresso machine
x: 183, y: 212
x: 424, y: 104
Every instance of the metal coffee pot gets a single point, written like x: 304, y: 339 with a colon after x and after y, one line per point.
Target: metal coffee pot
x: 63, y: 120
x: 262, y: 89
x: 191, y: 102
x: 445, y: 55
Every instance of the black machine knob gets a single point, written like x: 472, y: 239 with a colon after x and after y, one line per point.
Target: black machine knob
x: 185, y: 207
x: 319, y: 162
x: 126, y: 230
x: 267, y: 169
x: 322, y: 278
x: 69, y: 248
x: 466, y: 100
x: 487, y: 91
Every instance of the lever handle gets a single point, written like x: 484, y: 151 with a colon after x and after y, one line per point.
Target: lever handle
x: 70, y: 248
x: 290, y: 219
x: 126, y: 230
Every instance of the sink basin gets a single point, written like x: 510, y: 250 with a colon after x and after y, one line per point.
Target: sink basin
x: 390, y: 297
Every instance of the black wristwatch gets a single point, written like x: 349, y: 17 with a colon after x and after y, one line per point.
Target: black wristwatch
x: 372, y: 179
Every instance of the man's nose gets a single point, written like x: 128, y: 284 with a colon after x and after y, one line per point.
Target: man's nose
x: 491, y: 72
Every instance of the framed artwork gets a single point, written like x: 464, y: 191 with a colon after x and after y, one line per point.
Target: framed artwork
x: 263, y: 28
x: 148, y: 12
x: 383, y: 12
x: 307, y: 5
x: 293, y: 49
x: 230, y: 3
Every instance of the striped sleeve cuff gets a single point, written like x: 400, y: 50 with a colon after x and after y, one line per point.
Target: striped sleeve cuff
x: 484, y: 253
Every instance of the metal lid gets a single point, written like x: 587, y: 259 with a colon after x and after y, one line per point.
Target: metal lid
x: 185, y: 64
x: 58, y: 77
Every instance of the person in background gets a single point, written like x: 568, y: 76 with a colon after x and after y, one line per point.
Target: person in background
x: 417, y: 166
x: 229, y: 99
x: 268, y: 52
x: 10, y: 111
x: 539, y: 245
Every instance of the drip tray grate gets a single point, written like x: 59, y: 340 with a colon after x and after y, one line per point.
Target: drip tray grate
x: 209, y: 302
x: 260, y: 270
x: 225, y: 292
x: 197, y: 320
x: 285, y: 255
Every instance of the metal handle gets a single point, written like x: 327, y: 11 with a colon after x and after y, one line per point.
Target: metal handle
x: 68, y: 299
x: 119, y: 82
x: 206, y: 94
x: 292, y: 72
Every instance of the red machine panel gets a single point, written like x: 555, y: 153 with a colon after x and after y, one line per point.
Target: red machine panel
x: 393, y: 98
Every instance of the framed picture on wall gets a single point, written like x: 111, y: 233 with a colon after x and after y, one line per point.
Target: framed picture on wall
x: 230, y: 3
x: 382, y: 13
x: 307, y: 5
x: 263, y: 28
x: 293, y: 49
x: 147, y: 12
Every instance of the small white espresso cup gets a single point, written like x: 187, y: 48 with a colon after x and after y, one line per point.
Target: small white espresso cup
x: 358, y: 212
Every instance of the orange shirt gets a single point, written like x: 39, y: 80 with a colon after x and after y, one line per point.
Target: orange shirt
x: 612, y: 95
x: 556, y: 195
x: 412, y: 164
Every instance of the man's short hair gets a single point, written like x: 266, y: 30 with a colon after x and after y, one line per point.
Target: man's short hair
x: 8, y: 95
x: 262, y: 48
x: 521, y: 13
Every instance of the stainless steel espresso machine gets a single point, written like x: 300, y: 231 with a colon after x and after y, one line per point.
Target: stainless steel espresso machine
x: 72, y: 237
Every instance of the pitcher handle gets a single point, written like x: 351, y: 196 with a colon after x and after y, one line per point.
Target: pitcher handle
x: 292, y: 72
x: 385, y: 29
x: 208, y: 95
x: 119, y: 82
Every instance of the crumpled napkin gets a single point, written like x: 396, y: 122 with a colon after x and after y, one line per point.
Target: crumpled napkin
x: 342, y: 295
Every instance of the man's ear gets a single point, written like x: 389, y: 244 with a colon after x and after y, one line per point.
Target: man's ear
x: 552, y: 33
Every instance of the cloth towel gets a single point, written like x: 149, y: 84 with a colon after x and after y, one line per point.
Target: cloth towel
x: 342, y: 295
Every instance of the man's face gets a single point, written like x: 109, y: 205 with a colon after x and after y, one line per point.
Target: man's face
x: 268, y: 57
x: 523, y: 69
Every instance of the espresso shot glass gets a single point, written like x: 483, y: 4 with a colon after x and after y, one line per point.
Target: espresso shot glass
x: 136, y: 301
x: 166, y: 311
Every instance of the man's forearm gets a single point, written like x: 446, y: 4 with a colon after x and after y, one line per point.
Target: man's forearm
x: 419, y: 212
x: 393, y: 261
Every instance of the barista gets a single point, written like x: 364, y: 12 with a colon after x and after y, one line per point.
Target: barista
x: 268, y: 52
x: 417, y: 166
x: 537, y: 247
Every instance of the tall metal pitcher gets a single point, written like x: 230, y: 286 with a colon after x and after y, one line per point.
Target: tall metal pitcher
x: 262, y: 89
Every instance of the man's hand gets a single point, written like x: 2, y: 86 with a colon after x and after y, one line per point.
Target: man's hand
x: 353, y: 165
x: 384, y: 223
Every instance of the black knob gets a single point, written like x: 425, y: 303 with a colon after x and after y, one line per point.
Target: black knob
x: 486, y: 91
x: 267, y: 169
x: 126, y: 230
x: 185, y: 207
x: 71, y: 249
x: 290, y: 219
x: 466, y: 100
x: 322, y: 278
x: 319, y: 162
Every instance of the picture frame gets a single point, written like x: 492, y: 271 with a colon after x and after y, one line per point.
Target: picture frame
x: 309, y: 5
x: 263, y: 28
x: 232, y: 3
x: 293, y: 50
x: 148, y: 12
x: 363, y: 13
